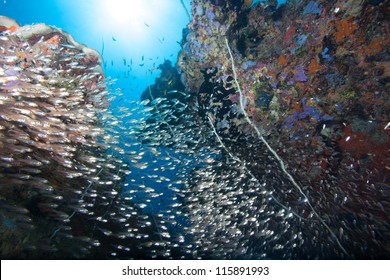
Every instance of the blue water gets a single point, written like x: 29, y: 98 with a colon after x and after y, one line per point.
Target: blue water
x: 92, y: 23
x: 153, y: 35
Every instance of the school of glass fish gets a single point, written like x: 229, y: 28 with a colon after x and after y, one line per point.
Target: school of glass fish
x: 162, y: 178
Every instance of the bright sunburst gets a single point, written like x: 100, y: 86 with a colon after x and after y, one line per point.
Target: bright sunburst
x: 131, y: 16
x: 125, y: 13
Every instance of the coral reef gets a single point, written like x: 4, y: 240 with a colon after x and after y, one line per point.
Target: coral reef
x: 166, y: 85
x: 314, y: 80
x: 59, y: 178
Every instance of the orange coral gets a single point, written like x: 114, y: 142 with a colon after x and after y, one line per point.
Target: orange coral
x: 296, y: 106
x: 376, y: 45
x: 13, y: 28
x: 55, y: 40
x: 272, y: 75
x: 282, y: 60
x: 345, y: 28
x: 314, y: 66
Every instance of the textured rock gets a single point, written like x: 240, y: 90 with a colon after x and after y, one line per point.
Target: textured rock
x: 315, y: 79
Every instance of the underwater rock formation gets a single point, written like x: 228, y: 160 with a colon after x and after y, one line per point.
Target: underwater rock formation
x: 318, y: 94
x: 166, y: 85
x: 52, y: 91
x: 60, y: 180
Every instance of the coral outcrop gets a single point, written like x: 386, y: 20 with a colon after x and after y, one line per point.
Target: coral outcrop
x: 58, y: 180
x: 315, y: 80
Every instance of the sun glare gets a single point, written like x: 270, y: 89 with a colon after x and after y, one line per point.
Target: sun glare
x: 128, y: 16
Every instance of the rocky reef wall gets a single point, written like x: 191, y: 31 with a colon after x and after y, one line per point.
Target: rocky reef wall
x: 59, y: 179
x: 315, y: 82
